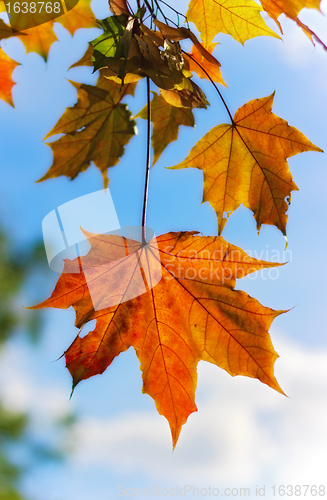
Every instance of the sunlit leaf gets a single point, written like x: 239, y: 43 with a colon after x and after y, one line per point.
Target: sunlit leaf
x: 96, y: 130
x: 166, y: 120
x: 39, y: 39
x: 239, y: 18
x: 192, y: 313
x: 291, y: 9
x: 6, y: 83
x: 245, y: 162
x: 80, y: 16
x: 202, y: 67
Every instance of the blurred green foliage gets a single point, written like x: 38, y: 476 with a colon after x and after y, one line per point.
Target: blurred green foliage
x: 15, y: 267
x: 17, y: 271
x: 13, y: 271
x: 12, y: 427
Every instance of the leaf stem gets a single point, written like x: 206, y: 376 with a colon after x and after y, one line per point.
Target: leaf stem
x: 213, y: 83
x: 148, y: 162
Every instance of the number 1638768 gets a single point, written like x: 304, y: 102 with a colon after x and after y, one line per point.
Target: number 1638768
x: 34, y: 7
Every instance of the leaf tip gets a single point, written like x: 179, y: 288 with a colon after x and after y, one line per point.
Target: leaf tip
x: 76, y: 85
x: 286, y: 242
x: 73, y: 389
x: 71, y: 394
x: 105, y: 179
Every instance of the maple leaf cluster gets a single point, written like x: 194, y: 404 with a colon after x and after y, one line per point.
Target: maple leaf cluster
x: 173, y: 298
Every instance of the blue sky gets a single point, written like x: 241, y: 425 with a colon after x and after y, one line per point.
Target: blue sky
x: 244, y: 433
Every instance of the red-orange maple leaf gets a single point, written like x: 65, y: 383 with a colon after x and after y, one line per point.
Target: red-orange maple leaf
x: 6, y: 82
x: 174, y: 301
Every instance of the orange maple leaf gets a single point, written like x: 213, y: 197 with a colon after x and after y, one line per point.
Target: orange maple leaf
x: 245, y: 162
x: 6, y: 82
x: 202, y: 67
x: 174, y: 301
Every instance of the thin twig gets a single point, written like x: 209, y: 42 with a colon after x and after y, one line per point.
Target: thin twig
x: 213, y: 83
x: 148, y: 162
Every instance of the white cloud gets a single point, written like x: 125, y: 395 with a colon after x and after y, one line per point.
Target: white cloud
x: 22, y: 391
x: 244, y: 433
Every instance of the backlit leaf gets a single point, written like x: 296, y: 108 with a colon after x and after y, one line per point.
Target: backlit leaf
x: 239, y: 18
x: 245, y: 162
x: 6, y: 83
x: 166, y: 120
x: 96, y: 129
x: 81, y: 16
x: 202, y: 67
x: 291, y: 9
x: 108, y: 43
x: 118, y: 7
x: 193, y: 312
x: 39, y: 39
x: 114, y: 43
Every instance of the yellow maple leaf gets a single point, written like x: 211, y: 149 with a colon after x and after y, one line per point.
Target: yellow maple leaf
x: 239, y: 18
x: 81, y: 16
x: 39, y: 39
x: 41, y: 36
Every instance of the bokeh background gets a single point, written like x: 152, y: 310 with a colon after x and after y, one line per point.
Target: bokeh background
x: 109, y: 434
